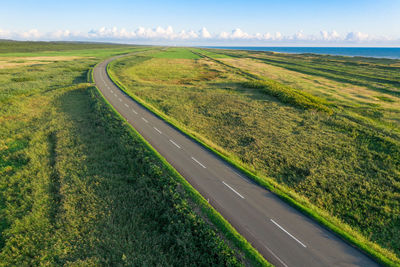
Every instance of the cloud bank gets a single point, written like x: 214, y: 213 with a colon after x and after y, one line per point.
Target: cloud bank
x: 168, y: 35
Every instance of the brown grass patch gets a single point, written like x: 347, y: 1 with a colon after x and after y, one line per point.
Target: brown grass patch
x: 319, y: 86
x: 17, y: 62
x: 172, y: 71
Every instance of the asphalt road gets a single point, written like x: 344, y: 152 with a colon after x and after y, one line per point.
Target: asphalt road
x: 282, y: 234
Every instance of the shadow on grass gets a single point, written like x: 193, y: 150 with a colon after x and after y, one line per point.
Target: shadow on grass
x: 54, y: 177
x: 123, y: 205
x: 343, y: 77
x: 255, y: 94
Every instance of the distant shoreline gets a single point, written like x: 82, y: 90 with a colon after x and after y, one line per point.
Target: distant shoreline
x: 374, y: 52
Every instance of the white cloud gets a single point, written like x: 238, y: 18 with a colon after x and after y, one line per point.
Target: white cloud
x: 329, y: 36
x: 267, y: 36
x: 183, y: 35
x: 168, y: 34
x: 4, y: 34
x: 204, y: 33
x: 31, y: 34
x: 224, y: 35
x: 239, y: 34
x: 299, y: 36
x: 356, y: 37
x: 192, y: 34
x: 278, y: 36
x: 61, y: 34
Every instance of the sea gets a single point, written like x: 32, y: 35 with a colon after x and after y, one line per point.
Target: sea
x: 377, y: 52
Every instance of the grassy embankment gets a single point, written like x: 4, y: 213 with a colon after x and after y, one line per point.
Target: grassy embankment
x: 79, y: 187
x: 340, y: 161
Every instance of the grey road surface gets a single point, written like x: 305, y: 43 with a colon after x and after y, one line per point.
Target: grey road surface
x: 283, y: 235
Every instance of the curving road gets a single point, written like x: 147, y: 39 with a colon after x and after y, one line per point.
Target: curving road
x: 279, y: 232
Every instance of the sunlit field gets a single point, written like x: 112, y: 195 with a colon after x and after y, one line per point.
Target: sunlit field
x: 77, y: 186
x: 324, y: 129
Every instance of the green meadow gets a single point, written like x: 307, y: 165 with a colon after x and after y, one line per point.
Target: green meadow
x: 175, y: 53
x: 324, y: 130
x: 78, y: 187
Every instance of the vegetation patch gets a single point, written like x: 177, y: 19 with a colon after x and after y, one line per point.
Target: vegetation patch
x: 176, y: 53
x: 78, y: 187
x: 340, y: 168
x: 165, y: 71
x: 385, y: 98
x: 289, y: 95
x: 11, y: 62
x: 10, y: 47
x: 211, y: 53
x: 380, y: 75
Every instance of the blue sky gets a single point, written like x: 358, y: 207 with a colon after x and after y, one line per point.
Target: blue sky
x: 351, y: 22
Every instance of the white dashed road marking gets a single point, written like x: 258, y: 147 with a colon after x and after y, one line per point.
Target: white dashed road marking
x: 280, y: 227
x: 237, y: 193
x: 199, y: 162
x: 174, y: 143
x: 157, y: 130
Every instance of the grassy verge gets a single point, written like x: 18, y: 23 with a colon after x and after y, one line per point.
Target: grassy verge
x: 89, y: 75
x: 341, y: 228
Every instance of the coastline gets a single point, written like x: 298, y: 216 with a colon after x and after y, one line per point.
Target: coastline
x: 369, y: 52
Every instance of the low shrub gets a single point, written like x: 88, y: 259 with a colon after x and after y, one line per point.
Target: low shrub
x: 289, y: 95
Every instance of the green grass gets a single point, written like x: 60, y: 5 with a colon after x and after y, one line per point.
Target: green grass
x: 210, y: 53
x: 79, y: 187
x: 377, y: 74
x: 176, y: 53
x: 101, y: 53
x: 165, y: 71
x: 357, y: 100
x: 252, y: 255
x: 34, y: 47
x: 289, y: 95
x: 385, y: 98
x: 340, y: 168
x: 43, y: 49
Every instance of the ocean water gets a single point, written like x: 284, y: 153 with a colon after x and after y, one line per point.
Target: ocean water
x: 379, y: 52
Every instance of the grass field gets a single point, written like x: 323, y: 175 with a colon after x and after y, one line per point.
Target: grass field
x: 339, y: 155
x: 175, y: 53
x: 77, y: 186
